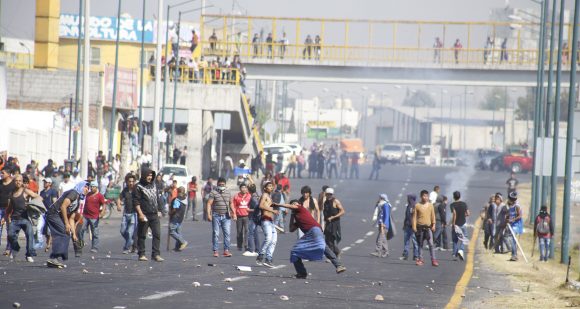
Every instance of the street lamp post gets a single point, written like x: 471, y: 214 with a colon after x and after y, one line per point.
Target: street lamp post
x: 29, y: 54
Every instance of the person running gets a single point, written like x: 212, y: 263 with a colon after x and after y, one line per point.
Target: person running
x: 254, y: 222
x: 408, y: 229
x: 129, y: 217
x: 59, y: 218
x: 312, y: 245
x: 18, y: 219
x: 94, y: 206
x: 332, y: 210
x: 270, y: 234
x: 384, y: 226
x: 459, y: 230
x: 424, y: 226
x: 177, y: 212
x: 544, y: 230
x: 241, y: 204
x: 148, y: 212
x: 515, y: 221
x: 220, y: 213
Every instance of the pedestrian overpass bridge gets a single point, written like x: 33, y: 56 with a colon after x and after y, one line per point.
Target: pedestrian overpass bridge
x: 377, y: 51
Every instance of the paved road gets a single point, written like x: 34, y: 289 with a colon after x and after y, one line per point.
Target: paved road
x: 120, y: 280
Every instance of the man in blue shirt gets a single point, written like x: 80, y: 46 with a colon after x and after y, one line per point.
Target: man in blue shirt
x: 49, y: 197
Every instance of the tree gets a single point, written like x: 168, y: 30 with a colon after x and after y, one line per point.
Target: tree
x: 527, y: 105
x: 419, y: 98
x: 495, y: 99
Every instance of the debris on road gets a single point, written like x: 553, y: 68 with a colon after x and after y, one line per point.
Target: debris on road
x: 228, y: 280
x: 284, y: 297
x: 211, y: 265
x: 196, y: 284
x: 244, y: 268
x: 379, y: 297
x: 206, y: 284
x: 85, y: 271
x: 16, y: 305
x: 230, y: 289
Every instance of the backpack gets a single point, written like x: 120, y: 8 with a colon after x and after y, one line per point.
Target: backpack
x: 543, y: 226
x: 257, y: 213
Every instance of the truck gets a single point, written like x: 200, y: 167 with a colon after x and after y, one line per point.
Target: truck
x: 520, y: 162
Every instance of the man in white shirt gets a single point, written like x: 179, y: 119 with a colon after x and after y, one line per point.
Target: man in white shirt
x: 434, y: 194
x: 66, y: 184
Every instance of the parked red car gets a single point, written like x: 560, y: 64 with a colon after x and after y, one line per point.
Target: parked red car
x: 521, y: 162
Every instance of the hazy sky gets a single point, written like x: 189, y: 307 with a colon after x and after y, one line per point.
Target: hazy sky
x: 17, y: 18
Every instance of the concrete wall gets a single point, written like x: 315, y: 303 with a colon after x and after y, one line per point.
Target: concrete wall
x: 43, y: 86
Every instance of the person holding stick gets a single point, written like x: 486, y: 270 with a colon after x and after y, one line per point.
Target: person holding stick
x: 515, y: 221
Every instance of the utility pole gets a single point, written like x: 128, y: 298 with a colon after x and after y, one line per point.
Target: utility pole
x: 114, y: 99
x: 86, y: 89
x: 141, y: 77
x: 555, y: 155
x: 570, y: 139
x: 78, y: 82
x: 158, y: 92
x: 176, y: 55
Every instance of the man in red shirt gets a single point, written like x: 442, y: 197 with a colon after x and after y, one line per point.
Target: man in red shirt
x: 311, y: 246
x: 282, y: 180
x: 191, y: 197
x: 94, y: 205
x: 241, y: 203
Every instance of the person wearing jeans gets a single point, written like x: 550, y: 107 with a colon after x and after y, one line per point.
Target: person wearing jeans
x: 515, y: 221
x: 241, y: 203
x: 129, y: 218
x: 409, y: 235
x: 18, y: 218
x: 544, y: 229
x: 91, y: 212
x: 220, y: 212
x: 177, y: 213
x: 253, y: 244
x: 424, y: 225
x: 268, y: 227
x: 459, y: 231
x: 270, y: 240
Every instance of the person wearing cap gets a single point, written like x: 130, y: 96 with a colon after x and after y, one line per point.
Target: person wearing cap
x: 59, y: 218
x: 49, y: 197
x: 332, y: 210
x: 94, y: 204
x: 515, y: 221
x: 383, y: 219
x: 544, y: 230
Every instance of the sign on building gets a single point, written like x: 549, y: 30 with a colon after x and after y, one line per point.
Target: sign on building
x: 127, y: 97
x: 321, y: 124
x: 105, y: 28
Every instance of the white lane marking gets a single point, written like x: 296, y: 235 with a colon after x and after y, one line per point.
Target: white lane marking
x: 160, y: 295
x: 359, y: 241
x: 279, y: 266
x: 234, y: 279
x: 370, y: 233
x: 345, y: 248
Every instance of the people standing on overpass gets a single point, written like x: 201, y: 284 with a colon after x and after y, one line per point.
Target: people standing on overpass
x: 409, y: 235
x: 256, y: 45
x: 270, y: 44
x: 489, y: 43
x: 376, y: 167
x: 456, y: 48
x: 515, y: 221
x: 307, y: 47
x: 212, y: 41
x: 311, y: 245
x: 317, y: 47
x: 424, y: 226
x: 459, y: 230
x: 437, y: 46
x: 503, y: 54
x: 220, y: 212
x: 333, y: 210
x: 283, y: 45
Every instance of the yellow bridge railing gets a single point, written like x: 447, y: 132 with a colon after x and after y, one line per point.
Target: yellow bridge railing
x: 17, y: 60
x: 256, y: 38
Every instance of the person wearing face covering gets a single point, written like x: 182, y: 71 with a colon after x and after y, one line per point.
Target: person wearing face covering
x: 60, y: 221
x: 148, y: 212
x: 220, y: 211
x: 408, y: 229
x: 544, y: 230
